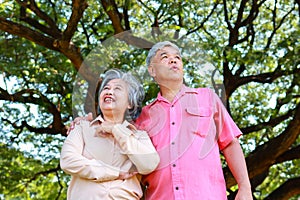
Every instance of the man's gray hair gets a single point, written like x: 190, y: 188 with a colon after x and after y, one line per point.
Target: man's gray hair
x: 159, y: 46
x: 136, y: 92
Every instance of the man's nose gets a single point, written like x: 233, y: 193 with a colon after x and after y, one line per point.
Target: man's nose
x: 172, y: 60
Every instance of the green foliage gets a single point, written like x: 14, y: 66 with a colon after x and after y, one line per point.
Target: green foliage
x: 253, y: 52
x: 27, y: 157
x: 29, y: 178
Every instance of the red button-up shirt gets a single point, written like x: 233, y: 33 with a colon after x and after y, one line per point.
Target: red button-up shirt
x: 188, y: 134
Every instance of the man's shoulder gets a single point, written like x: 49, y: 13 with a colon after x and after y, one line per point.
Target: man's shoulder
x: 149, y: 104
x: 204, y: 89
x: 200, y: 91
x: 188, y: 89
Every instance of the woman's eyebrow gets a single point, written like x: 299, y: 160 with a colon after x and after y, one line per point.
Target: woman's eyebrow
x: 119, y: 85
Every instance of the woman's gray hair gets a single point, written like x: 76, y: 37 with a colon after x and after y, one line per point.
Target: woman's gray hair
x: 159, y: 46
x: 136, y: 92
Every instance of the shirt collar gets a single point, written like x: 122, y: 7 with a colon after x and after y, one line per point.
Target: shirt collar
x: 99, y: 118
x: 184, y: 90
x: 129, y: 125
x: 125, y: 123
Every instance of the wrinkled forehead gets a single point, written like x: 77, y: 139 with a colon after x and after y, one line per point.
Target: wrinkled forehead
x: 117, y: 82
x: 158, y: 47
x: 168, y: 50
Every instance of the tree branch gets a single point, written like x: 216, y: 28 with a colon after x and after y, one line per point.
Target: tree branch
x: 266, y: 155
x: 68, y: 49
x: 51, y: 30
x: 204, y: 20
x: 235, y: 81
x: 111, y: 9
x: 275, y: 28
x: 134, y: 41
x: 28, y: 96
x: 287, y: 156
x: 287, y: 190
x: 43, y: 173
x: 126, y: 15
x: 271, y: 123
x: 78, y: 8
x: 25, y: 32
x: 34, y: 8
x: 226, y: 15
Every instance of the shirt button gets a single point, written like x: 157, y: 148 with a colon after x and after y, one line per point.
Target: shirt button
x: 173, y: 143
x: 177, y: 188
x: 174, y: 165
x: 173, y: 123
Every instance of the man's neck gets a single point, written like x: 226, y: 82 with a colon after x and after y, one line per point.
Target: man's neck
x: 169, y: 92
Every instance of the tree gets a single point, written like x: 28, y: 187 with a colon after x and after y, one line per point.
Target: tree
x: 44, y: 44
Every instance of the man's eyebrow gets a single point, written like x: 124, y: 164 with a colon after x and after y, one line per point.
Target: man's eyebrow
x: 163, y: 53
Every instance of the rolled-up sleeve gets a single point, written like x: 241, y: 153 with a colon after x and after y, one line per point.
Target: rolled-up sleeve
x: 73, y: 162
x: 138, y: 146
x: 226, y: 128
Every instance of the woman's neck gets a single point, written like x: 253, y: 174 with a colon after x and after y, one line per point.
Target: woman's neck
x: 113, y: 118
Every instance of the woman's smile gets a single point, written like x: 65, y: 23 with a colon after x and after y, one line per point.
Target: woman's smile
x: 114, y: 98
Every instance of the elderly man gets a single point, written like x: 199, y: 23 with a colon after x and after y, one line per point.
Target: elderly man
x: 189, y: 127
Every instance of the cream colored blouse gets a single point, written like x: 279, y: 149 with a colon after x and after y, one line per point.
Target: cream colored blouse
x: 95, y: 161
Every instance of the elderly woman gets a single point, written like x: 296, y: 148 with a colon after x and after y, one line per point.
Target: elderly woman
x: 107, y: 155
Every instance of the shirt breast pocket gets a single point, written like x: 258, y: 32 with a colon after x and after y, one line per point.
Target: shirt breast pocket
x: 199, y: 120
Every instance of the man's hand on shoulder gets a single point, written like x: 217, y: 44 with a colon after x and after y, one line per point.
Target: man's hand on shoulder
x: 88, y: 117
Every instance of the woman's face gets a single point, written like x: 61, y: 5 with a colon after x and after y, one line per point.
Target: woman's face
x: 113, y: 99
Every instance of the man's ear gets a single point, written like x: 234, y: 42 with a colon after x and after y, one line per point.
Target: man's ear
x: 151, y: 70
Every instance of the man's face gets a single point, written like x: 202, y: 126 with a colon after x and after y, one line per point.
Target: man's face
x: 166, y: 65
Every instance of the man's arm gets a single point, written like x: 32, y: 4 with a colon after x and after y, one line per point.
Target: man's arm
x: 236, y: 162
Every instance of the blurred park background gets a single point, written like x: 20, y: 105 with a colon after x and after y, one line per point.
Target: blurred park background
x: 53, y: 51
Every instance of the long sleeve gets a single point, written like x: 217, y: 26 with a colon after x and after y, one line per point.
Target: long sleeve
x: 73, y: 162
x: 138, y: 146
